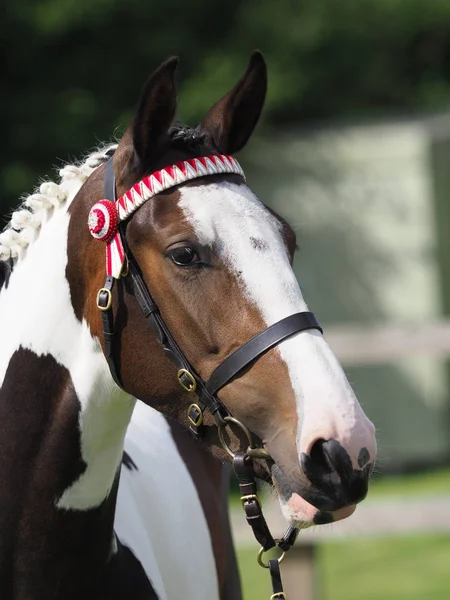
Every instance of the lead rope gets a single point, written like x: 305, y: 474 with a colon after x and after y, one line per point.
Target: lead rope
x: 251, y: 503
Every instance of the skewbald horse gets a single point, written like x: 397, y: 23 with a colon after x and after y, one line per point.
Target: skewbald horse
x: 218, y: 264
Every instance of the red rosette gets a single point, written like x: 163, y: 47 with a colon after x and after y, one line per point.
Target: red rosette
x: 103, y: 220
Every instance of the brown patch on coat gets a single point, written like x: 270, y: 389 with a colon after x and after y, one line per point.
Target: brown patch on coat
x: 46, y: 553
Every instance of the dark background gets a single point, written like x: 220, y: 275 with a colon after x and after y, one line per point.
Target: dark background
x: 72, y: 70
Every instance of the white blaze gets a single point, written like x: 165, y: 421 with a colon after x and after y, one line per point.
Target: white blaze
x: 231, y: 217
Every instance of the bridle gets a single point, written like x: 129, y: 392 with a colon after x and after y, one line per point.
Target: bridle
x: 107, y: 223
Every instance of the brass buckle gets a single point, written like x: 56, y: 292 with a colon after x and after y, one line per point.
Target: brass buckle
x: 278, y: 595
x: 192, y: 385
x: 199, y: 419
x: 245, y: 499
x: 108, y: 303
x: 261, y: 563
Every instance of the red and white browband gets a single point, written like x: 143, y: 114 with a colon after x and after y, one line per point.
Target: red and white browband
x: 105, y: 215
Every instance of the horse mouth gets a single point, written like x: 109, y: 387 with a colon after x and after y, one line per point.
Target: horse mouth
x: 296, y: 507
x: 299, y: 511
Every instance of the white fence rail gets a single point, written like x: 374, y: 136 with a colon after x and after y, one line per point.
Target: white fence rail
x: 380, y: 344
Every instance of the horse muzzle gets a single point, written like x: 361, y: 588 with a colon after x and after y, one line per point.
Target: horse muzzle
x: 325, y: 489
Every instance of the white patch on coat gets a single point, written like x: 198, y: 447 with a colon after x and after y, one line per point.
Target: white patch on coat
x: 229, y: 216
x: 38, y: 316
x: 159, y: 514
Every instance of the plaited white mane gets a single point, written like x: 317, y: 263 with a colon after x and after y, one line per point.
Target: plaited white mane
x: 37, y: 208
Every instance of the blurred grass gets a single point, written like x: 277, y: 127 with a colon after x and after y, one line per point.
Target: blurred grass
x: 407, y: 568
x: 432, y: 482
x: 415, y: 567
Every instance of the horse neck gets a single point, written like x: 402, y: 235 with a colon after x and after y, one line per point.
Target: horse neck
x: 63, y: 422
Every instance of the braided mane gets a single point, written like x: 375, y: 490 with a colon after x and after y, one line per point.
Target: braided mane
x: 37, y: 208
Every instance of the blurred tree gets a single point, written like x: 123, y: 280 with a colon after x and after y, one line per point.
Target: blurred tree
x: 72, y: 69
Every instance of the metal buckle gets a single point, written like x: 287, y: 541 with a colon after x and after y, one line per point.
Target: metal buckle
x: 250, y: 497
x: 278, y: 595
x: 266, y: 565
x: 109, y: 301
x: 199, y: 419
x: 189, y: 387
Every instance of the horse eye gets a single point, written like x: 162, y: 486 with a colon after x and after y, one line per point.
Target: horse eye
x: 184, y: 255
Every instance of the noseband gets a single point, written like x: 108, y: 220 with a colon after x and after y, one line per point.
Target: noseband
x: 106, y: 223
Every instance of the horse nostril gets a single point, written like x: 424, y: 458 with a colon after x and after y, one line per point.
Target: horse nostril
x: 322, y: 469
x: 321, y: 456
x: 329, y: 469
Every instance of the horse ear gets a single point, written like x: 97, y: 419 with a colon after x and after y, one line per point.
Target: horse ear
x: 155, y: 112
x: 231, y: 121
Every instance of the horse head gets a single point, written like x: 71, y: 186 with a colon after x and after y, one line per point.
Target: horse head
x: 217, y: 266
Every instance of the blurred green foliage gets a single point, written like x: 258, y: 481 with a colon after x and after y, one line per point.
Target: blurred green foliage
x: 72, y: 69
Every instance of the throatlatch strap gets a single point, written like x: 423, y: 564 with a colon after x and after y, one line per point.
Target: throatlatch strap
x: 259, y: 344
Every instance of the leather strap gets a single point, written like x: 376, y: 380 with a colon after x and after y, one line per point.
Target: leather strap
x: 243, y: 468
x: 109, y: 333
x: 151, y: 313
x: 170, y: 346
x: 275, y: 576
x: 109, y: 188
x: 258, y: 345
x: 109, y: 191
